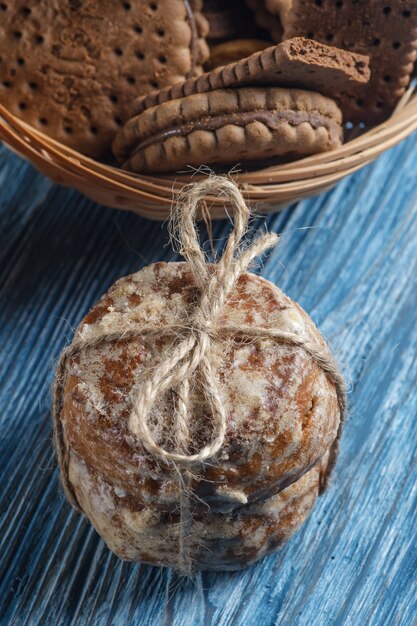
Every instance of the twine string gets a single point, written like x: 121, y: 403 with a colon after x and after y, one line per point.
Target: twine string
x: 192, y: 352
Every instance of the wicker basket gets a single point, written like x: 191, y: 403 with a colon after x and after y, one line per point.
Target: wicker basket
x: 269, y: 189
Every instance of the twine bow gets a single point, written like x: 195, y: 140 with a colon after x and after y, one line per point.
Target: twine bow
x: 190, y: 354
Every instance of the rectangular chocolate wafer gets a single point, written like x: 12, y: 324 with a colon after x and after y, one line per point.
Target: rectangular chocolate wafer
x: 386, y: 31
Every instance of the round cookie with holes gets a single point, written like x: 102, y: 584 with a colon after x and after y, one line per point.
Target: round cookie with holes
x: 229, y: 126
x: 71, y: 69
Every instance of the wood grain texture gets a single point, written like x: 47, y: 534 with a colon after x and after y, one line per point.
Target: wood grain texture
x: 350, y: 258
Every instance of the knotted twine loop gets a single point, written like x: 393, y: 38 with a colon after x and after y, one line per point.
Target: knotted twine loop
x: 190, y: 354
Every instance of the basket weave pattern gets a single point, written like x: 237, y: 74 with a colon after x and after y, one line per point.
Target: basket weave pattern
x: 269, y: 189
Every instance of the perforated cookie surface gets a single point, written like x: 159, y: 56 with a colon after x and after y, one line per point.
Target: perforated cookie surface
x: 71, y: 69
x: 386, y: 31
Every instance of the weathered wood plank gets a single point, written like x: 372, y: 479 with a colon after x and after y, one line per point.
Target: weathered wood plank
x: 350, y: 258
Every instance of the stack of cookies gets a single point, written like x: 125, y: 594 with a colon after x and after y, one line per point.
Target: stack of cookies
x: 283, y: 416
x: 168, y: 85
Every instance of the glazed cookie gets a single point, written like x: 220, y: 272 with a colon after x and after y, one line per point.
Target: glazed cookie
x: 228, y: 126
x: 216, y: 541
x: 282, y: 409
x: 386, y: 31
x: 71, y: 69
x: 298, y: 62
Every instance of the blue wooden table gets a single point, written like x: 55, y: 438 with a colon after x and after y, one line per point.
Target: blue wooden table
x: 350, y: 258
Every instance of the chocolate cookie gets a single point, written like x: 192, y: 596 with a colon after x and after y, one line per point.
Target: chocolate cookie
x: 228, y: 19
x: 230, y: 126
x: 386, y: 31
x: 232, y: 51
x: 268, y: 20
x: 71, y: 69
x: 298, y: 62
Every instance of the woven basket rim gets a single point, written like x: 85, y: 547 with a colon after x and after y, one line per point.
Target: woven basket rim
x: 153, y: 195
